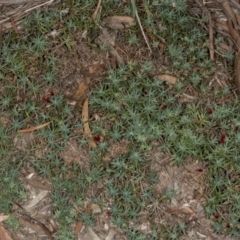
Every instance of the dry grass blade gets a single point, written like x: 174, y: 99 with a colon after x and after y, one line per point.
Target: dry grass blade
x: 168, y: 78
x: 31, y: 129
x: 140, y: 25
x: 94, y: 16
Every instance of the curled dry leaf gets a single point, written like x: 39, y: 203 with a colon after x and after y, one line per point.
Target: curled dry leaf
x: 119, y: 22
x: 167, y: 77
x: 185, y: 209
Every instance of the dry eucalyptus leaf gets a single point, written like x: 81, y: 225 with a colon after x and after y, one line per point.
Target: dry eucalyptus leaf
x: 92, y: 234
x: 3, y: 234
x: 85, y: 119
x: 237, y: 71
x: 31, y: 129
x: 30, y: 205
x: 119, y: 22
x: 167, y: 77
x: 37, y: 184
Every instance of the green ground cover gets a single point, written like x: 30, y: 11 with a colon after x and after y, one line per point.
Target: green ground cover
x: 132, y: 105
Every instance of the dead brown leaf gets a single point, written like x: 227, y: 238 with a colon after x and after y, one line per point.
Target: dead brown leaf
x: 91, y: 207
x: 31, y: 129
x: 167, y: 77
x: 119, y: 22
x: 95, y: 208
x: 96, y: 67
x: 108, y: 40
x: 85, y: 120
x: 4, y: 234
x: 80, y: 93
x: 78, y: 227
x: 87, y: 206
